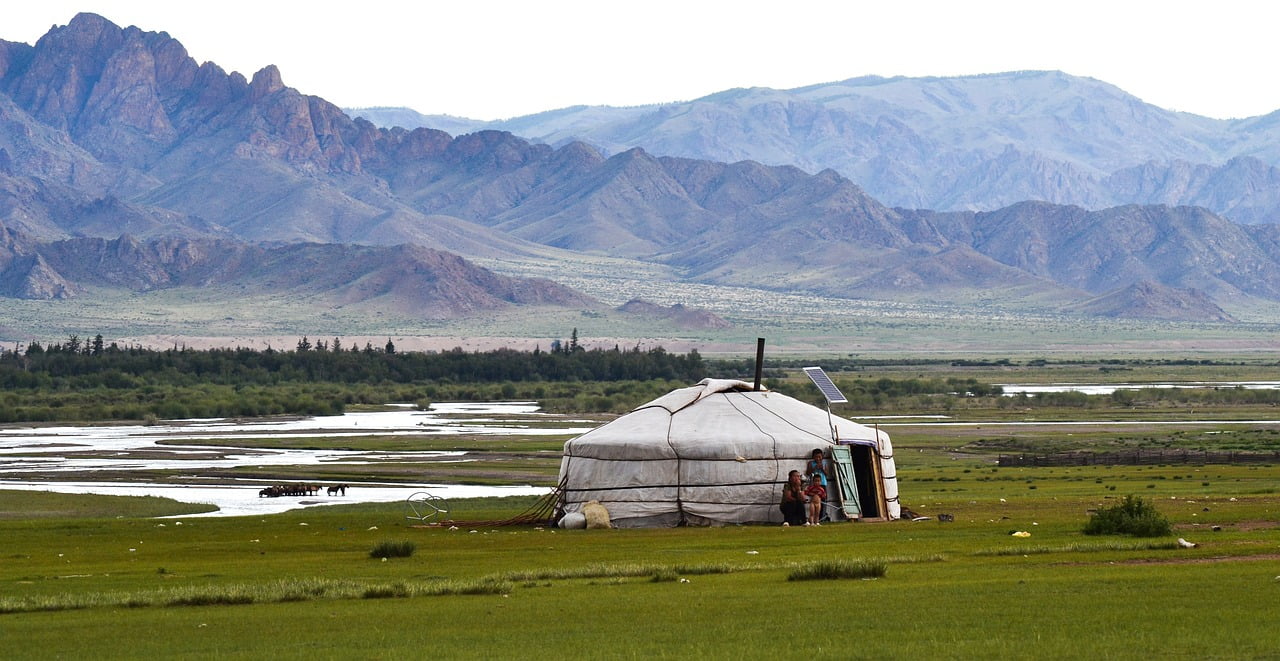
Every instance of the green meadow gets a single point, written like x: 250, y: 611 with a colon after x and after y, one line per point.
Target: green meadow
x: 108, y: 577
x: 303, y: 584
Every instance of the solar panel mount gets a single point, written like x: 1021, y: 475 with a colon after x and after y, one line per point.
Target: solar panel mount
x: 824, y: 383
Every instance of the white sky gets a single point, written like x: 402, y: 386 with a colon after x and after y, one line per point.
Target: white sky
x: 492, y: 59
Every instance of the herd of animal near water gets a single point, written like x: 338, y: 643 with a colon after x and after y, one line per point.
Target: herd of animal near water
x: 279, y: 490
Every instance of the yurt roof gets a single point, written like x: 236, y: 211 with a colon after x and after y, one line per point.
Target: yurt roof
x: 714, y: 418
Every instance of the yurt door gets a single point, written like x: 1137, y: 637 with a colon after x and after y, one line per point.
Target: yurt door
x: 848, y: 492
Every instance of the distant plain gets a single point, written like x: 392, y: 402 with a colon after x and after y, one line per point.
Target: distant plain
x: 792, y: 323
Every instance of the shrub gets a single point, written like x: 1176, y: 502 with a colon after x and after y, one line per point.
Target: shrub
x: 1132, y: 516
x: 664, y: 576
x: 396, y: 590
x: 401, y: 549
x: 830, y: 569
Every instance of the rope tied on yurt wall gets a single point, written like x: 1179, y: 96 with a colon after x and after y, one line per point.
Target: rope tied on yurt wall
x: 679, y: 459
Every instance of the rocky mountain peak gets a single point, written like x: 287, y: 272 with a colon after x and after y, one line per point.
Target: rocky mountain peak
x: 579, y: 153
x: 65, y: 63
x: 31, y: 277
x: 266, y: 81
x: 13, y: 55
x: 498, y: 150
x: 678, y: 313
x: 1147, y: 299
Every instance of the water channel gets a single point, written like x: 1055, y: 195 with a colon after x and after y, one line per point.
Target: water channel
x: 40, y: 452
x: 1011, y: 389
x: 30, y: 456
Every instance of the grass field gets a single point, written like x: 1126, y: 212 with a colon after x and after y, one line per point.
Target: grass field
x: 303, y: 584
x: 99, y: 577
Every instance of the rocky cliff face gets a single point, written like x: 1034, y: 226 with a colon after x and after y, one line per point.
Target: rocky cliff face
x: 24, y: 272
x: 102, y: 113
x: 130, y: 96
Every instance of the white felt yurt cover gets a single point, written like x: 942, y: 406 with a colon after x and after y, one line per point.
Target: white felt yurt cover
x: 711, y: 454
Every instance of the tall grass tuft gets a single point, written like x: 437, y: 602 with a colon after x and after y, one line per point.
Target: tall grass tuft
x: 282, y: 591
x: 1080, y: 548
x: 833, y: 569
x: 619, y: 570
x: 664, y: 576
x: 390, y: 591
x: 1132, y: 516
x: 479, y: 586
x: 397, y: 549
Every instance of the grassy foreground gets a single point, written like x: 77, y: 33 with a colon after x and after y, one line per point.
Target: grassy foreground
x: 95, y: 577
x: 303, y: 584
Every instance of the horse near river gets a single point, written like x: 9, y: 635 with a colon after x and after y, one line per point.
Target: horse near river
x: 279, y: 490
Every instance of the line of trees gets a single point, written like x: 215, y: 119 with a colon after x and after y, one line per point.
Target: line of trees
x: 70, y: 365
x: 83, y: 381
x: 882, y: 393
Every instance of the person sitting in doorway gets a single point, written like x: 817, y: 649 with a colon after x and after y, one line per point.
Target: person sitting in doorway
x: 816, y: 493
x: 793, y: 500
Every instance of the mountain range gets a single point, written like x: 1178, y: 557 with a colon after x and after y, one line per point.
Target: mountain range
x: 440, y: 285
x: 126, y: 164
x: 961, y: 143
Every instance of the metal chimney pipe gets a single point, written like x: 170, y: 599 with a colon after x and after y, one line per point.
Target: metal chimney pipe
x: 759, y: 361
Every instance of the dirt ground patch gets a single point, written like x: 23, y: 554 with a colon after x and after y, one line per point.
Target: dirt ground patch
x: 1200, y: 561
x: 1260, y: 524
x: 1180, y: 561
x: 1241, y: 526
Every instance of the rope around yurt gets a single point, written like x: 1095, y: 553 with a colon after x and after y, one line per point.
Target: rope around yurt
x: 540, y: 513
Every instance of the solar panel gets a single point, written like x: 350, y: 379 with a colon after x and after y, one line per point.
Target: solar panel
x: 829, y: 389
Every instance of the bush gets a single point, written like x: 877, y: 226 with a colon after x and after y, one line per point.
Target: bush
x: 396, y: 590
x: 664, y: 576
x: 1132, y: 516
x: 401, y: 549
x: 836, y: 569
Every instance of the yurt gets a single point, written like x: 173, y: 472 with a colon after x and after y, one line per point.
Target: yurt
x: 719, y: 453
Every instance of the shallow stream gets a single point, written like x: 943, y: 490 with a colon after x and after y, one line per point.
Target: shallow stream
x: 125, y: 448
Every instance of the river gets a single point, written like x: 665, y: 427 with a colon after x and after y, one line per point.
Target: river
x: 41, y: 451
x: 1011, y: 389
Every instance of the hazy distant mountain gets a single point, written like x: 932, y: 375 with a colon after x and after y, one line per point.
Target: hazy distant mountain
x: 107, y: 132
x: 684, y: 317
x: 1098, y: 251
x: 1150, y: 300
x: 972, y: 142
x: 411, y: 280
x: 412, y: 119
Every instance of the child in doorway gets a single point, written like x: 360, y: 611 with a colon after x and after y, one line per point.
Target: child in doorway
x: 817, y: 467
x: 816, y: 494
